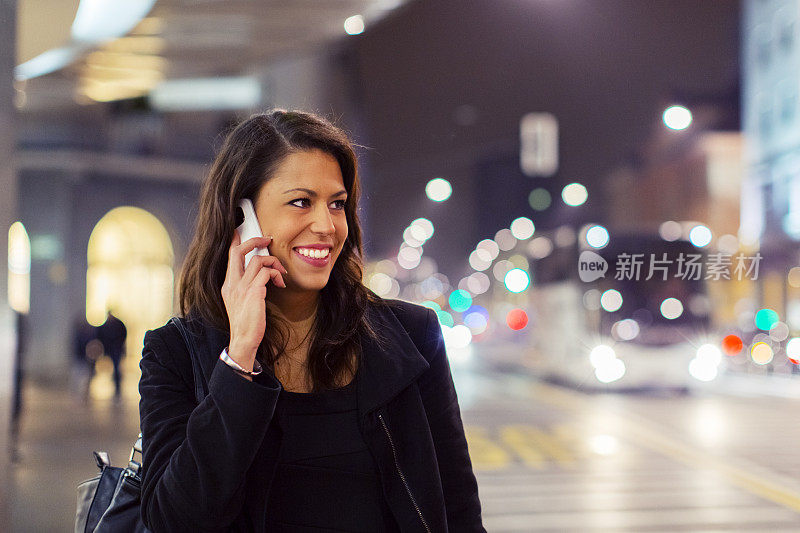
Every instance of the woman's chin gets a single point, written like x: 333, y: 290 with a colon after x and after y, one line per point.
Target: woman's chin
x: 299, y: 288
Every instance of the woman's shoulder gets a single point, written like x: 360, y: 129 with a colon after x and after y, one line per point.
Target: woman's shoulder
x: 411, y: 315
x: 418, y: 322
x: 166, y: 343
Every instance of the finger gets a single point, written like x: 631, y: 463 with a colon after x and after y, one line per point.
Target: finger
x: 267, y: 274
x: 237, y: 253
x: 276, y: 263
x: 271, y: 261
x: 253, y: 267
x: 265, y: 262
x: 255, y: 242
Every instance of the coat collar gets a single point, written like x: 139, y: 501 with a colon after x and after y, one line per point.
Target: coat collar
x: 387, y: 367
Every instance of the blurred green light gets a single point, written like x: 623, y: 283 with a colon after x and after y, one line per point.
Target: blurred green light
x: 539, y: 199
x: 460, y: 300
x: 445, y: 318
x: 766, y: 318
x: 431, y: 305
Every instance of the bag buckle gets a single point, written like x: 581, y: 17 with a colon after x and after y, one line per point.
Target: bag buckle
x: 137, y: 447
x: 102, y: 459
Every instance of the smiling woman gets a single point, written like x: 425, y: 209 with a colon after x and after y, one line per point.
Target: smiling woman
x: 300, y: 172
x: 326, y: 407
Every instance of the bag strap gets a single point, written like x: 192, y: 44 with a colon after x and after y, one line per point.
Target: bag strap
x: 199, y: 392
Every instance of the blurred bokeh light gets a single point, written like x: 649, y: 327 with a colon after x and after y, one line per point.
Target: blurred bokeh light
x: 438, y: 189
x: 516, y: 280
x: 597, y: 236
x: 517, y: 319
x: 766, y: 318
x: 539, y: 199
x: 677, y: 117
x: 574, y: 194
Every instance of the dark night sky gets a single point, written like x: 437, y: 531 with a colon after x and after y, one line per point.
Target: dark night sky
x: 605, y: 68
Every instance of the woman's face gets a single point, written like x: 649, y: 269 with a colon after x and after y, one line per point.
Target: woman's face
x: 302, y: 207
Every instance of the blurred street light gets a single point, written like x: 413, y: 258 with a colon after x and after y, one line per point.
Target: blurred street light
x: 574, y: 194
x: 438, y: 189
x: 700, y: 236
x: 677, y: 117
x: 354, y: 25
x: 597, y: 236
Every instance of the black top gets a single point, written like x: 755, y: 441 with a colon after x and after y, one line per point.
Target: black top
x: 210, y: 465
x: 325, y: 479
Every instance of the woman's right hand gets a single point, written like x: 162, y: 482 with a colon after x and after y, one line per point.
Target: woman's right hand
x: 244, y: 292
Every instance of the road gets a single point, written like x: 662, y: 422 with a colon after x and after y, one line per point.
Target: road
x: 554, y: 459
x: 546, y: 458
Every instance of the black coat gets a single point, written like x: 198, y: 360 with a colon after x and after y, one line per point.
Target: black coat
x: 209, y: 467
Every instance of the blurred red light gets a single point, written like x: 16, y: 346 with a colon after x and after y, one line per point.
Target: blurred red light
x: 517, y: 319
x: 795, y: 361
x: 732, y: 345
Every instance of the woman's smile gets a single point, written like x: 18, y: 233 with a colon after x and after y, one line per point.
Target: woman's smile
x: 318, y: 257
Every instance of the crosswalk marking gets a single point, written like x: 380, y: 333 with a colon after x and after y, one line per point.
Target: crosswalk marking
x: 515, y: 438
x: 484, y: 452
x: 550, y: 443
x: 534, y: 447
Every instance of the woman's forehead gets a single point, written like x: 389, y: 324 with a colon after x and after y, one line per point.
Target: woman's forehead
x: 313, y: 170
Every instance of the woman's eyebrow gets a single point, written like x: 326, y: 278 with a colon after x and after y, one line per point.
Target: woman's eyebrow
x: 313, y: 194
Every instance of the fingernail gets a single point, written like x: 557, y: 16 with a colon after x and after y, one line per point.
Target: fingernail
x: 268, y: 237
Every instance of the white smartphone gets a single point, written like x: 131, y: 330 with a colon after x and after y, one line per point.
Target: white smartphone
x: 249, y: 228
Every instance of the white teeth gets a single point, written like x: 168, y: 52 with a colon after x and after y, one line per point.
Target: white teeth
x: 313, y: 252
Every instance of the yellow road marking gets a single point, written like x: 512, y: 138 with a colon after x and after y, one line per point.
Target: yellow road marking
x: 484, y: 453
x: 514, y: 438
x: 534, y: 445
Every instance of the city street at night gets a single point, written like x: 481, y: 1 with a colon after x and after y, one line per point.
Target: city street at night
x: 547, y: 458
x: 596, y: 203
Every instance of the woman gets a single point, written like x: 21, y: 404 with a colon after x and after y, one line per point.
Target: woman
x: 353, y: 424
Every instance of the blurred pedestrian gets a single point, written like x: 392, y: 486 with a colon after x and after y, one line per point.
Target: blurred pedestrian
x: 86, y: 349
x: 16, y: 410
x: 112, y: 333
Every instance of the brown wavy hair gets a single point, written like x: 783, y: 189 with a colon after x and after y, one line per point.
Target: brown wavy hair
x: 247, y: 159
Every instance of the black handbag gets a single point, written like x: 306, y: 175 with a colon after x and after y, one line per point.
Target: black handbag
x: 110, y: 502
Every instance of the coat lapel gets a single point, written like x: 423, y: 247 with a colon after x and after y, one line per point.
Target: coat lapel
x: 387, y: 366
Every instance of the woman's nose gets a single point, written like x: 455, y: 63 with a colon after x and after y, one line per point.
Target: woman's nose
x: 323, y: 222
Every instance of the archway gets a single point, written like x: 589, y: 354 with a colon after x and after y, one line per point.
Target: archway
x: 130, y: 260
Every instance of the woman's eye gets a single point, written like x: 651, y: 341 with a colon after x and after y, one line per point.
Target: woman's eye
x: 305, y: 201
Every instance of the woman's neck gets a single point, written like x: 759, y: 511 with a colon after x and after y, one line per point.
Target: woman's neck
x: 299, y: 312
x: 295, y: 308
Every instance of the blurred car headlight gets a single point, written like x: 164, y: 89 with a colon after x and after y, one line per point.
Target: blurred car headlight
x: 710, y: 354
x: 610, y: 371
x: 702, y: 369
x: 601, y: 355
